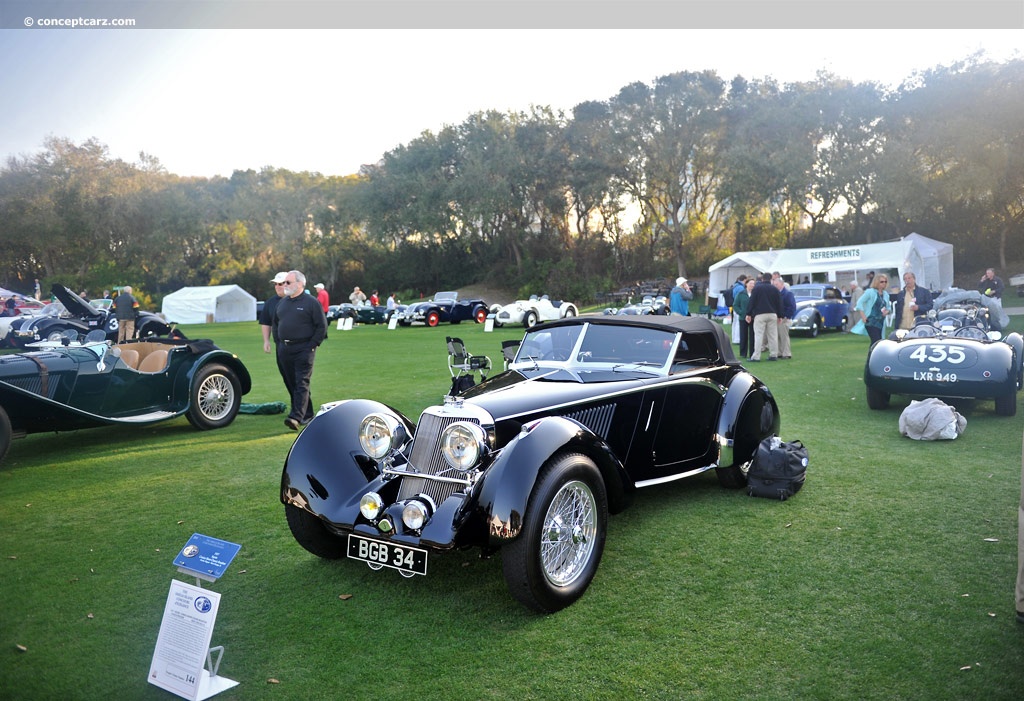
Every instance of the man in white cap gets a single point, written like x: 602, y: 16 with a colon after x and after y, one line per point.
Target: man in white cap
x: 678, y: 298
x: 267, y: 315
x: 322, y: 296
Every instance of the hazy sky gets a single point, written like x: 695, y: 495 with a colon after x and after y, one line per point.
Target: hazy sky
x: 210, y: 101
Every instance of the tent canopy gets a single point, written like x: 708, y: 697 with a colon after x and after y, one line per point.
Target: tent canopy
x: 200, y: 305
x: 930, y: 260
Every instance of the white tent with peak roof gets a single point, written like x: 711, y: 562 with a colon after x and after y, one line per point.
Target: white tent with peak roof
x: 203, y: 305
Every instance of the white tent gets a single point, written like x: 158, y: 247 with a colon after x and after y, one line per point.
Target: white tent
x: 202, y: 305
x: 930, y: 260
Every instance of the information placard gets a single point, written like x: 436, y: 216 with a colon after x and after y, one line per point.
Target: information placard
x: 206, y: 557
x: 184, y: 641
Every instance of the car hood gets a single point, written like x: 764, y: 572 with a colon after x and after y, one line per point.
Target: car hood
x: 513, y: 394
x: 75, y: 305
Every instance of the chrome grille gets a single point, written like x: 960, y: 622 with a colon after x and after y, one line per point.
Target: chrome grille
x: 598, y: 419
x: 427, y: 459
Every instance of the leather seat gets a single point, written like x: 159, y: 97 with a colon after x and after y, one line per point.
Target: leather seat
x: 130, y: 356
x: 154, y: 362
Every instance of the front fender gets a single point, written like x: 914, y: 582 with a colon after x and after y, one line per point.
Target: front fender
x: 505, y: 492
x: 326, y: 464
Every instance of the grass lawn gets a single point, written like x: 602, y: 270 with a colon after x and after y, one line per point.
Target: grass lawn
x: 889, y: 576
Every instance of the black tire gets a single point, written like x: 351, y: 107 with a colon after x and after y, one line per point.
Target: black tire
x: 6, y: 434
x: 733, y: 476
x: 309, y: 532
x: 433, y: 319
x: 569, y: 313
x: 843, y: 324
x: 877, y: 399
x: 214, y: 397
x: 539, y: 573
x: 1006, y: 405
x: 152, y: 329
x: 530, y: 320
x: 480, y: 315
x: 816, y: 327
x: 54, y: 334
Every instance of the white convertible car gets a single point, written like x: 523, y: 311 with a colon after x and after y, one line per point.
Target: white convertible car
x: 529, y: 312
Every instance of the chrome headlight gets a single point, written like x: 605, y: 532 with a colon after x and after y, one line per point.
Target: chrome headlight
x: 370, y: 505
x: 462, y: 444
x: 379, y: 434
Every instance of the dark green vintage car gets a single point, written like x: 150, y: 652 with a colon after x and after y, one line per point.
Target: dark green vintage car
x: 64, y: 386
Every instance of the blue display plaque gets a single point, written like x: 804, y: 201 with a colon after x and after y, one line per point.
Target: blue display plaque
x: 206, y: 557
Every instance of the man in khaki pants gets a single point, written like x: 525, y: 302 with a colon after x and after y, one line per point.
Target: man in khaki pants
x: 1020, y: 546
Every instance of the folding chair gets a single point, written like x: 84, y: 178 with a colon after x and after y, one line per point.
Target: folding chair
x: 509, y: 350
x: 463, y: 366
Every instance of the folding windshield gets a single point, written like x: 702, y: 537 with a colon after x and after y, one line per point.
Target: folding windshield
x: 592, y: 344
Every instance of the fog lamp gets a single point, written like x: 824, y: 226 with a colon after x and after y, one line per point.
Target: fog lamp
x: 417, y: 512
x: 370, y: 505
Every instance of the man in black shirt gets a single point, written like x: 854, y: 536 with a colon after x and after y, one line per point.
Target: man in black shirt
x: 299, y: 326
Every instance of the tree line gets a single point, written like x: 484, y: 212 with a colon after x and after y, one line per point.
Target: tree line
x: 663, y: 178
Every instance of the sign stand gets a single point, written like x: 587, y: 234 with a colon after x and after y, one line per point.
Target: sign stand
x: 183, y: 661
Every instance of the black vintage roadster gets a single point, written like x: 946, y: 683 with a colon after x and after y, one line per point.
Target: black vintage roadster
x: 80, y: 317
x: 531, y: 461
x: 62, y: 385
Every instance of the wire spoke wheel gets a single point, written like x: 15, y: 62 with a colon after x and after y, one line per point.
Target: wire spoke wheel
x: 553, y: 560
x: 215, y: 397
x: 569, y: 533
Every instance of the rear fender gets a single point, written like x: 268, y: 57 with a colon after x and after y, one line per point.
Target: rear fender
x: 749, y: 414
x: 183, y: 382
x: 505, y: 491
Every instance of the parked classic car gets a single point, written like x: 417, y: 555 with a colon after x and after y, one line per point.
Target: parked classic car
x: 531, y: 461
x: 948, y: 357
x: 819, y: 306
x: 445, y: 306
x: 530, y: 312
x: 648, y: 305
x: 82, y: 317
x: 362, y: 313
x: 27, y: 307
x: 63, y: 386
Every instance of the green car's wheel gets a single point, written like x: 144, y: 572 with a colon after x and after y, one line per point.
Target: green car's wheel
x: 214, y: 397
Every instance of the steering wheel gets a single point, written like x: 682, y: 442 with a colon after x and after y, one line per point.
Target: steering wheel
x: 558, y: 354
